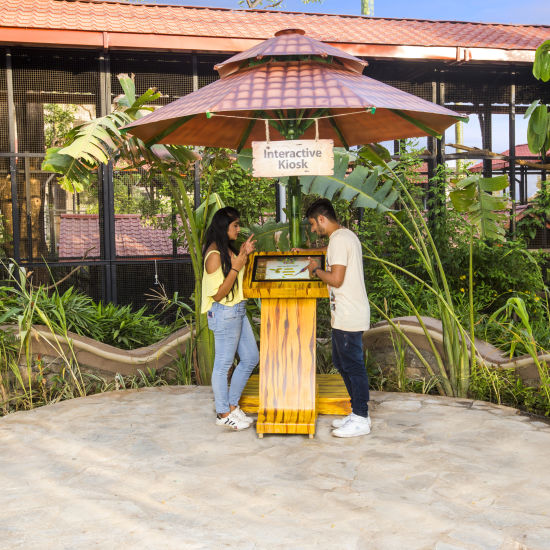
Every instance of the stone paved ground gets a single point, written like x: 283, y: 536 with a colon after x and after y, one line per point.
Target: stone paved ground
x: 148, y: 469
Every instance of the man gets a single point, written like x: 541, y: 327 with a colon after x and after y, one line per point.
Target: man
x: 350, y: 312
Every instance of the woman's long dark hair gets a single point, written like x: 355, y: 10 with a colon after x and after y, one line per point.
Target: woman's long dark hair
x: 217, y: 233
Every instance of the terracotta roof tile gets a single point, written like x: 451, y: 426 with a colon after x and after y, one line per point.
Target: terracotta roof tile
x: 80, y: 232
x: 92, y: 15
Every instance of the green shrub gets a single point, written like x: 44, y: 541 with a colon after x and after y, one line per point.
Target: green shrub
x: 127, y: 329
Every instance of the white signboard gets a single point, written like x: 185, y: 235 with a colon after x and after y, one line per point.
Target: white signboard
x: 308, y: 157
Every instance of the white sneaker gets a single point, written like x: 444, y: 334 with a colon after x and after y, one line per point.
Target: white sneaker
x: 355, y: 426
x: 233, y: 422
x: 339, y: 422
x: 241, y: 415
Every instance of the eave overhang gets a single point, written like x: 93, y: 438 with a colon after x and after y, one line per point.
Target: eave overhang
x: 62, y: 38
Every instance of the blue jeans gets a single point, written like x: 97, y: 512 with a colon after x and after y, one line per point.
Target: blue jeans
x: 347, y: 357
x: 232, y: 333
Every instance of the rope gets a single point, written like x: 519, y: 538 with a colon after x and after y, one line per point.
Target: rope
x: 368, y: 110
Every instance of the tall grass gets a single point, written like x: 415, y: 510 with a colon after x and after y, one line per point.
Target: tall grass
x: 28, y: 381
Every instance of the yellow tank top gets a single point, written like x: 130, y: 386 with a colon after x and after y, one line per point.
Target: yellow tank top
x: 211, y: 282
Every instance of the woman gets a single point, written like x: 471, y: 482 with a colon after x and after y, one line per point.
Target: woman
x: 223, y: 301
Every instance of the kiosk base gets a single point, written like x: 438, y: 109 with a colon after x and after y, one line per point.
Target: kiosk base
x: 332, y: 396
x: 287, y: 386
x: 285, y: 393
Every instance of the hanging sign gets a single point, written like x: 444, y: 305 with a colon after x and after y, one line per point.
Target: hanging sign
x: 309, y: 157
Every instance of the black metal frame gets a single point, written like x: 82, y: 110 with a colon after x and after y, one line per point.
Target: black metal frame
x: 431, y: 78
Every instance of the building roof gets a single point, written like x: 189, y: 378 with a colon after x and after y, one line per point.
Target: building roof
x: 79, y: 236
x: 94, y: 23
x: 500, y: 164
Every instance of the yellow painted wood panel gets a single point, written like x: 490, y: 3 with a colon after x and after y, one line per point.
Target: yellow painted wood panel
x: 287, y: 385
x: 332, y: 396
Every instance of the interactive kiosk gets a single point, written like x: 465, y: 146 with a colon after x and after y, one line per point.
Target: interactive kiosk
x: 287, y: 385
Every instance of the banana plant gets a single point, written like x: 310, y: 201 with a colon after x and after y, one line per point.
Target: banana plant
x: 538, y: 128
x: 103, y: 140
x: 361, y: 187
x: 270, y: 236
x: 472, y: 196
x: 93, y: 143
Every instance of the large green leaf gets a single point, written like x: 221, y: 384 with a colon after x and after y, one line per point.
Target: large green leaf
x: 80, y: 172
x: 497, y: 183
x: 472, y: 195
x: 539, y: 119
x: 271, y: 236
x: 375, y: 153
x: 129, y: 89
x: 541, y: 66
x: 244, y: 158
x: 363, y: 187
x: 463, y: 199
x: 531, y: 108
x: 535, y: 140
x: 211, y: 206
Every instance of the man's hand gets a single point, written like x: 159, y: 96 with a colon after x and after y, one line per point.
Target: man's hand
x: 312, y: 265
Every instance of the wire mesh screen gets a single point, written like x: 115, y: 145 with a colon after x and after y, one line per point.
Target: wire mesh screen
x: 6, y: 215
x: 145, y: 222
x: 413, y: 78
x: 172, y: 75
x: 205, y: 68
x: 144, y: 283
x: 74, y: 222
x: 4, y: 124
x: 53, y: 224
x: 52, y: 90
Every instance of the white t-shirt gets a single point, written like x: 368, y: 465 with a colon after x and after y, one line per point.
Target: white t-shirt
x: 349, y: 305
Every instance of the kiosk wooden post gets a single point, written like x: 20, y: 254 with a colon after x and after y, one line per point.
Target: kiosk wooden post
x: 287, y: 385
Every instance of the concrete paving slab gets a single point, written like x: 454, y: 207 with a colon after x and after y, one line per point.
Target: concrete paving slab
x: 149, y: 469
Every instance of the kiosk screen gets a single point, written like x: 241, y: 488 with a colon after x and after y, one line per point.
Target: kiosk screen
x: 284, y: 267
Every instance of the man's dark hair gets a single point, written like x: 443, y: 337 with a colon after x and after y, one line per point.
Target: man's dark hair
x: 321, y: 207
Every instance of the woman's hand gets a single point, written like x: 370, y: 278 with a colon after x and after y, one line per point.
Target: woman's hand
x: 239, y: 261
x: 248, y: 246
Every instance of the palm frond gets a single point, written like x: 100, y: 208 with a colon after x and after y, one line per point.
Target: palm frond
x: 101, y: 140
x: 363, y: 187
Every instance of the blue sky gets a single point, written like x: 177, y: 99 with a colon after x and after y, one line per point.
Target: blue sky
x: 499, y: 11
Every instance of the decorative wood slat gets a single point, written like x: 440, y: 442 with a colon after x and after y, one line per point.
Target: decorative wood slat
x: 287, y: 366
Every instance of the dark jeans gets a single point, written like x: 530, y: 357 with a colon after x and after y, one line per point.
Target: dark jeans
x: 347, y: 356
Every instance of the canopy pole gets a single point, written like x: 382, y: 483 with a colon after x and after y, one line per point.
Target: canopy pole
x: 294, y: 210
x: 293, y: 192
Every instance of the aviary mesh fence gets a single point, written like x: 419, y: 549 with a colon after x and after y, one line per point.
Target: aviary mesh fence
x: 119, y: 231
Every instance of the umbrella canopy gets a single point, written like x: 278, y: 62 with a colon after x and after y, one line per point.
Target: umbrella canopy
x: 292, y: 77
x: 290, y: 42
